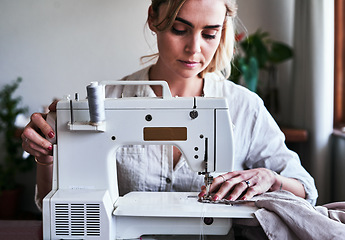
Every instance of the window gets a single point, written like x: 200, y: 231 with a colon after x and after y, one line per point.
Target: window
x: 339, y: 71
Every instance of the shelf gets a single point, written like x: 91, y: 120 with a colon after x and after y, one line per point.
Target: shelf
x: 295, y: 135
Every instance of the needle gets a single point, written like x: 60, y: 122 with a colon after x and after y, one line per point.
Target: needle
x: 207, y: 190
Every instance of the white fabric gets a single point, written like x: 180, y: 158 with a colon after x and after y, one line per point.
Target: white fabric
x: 258, y: 143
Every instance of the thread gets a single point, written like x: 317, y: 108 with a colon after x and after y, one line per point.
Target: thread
x: 96, y: 103
x: 202, y: 224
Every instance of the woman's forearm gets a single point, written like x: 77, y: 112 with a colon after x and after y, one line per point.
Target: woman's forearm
x: 44, y: 176
x: 289, y: 184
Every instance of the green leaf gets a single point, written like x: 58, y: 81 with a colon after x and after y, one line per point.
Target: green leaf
x: 280, y: 52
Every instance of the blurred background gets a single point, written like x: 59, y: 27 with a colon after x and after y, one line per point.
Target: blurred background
x: 58, y: 47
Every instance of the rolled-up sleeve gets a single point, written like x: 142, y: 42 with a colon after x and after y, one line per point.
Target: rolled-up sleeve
x: 268, y: 149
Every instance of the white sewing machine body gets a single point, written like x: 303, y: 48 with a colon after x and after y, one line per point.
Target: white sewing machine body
x: 84, y: 202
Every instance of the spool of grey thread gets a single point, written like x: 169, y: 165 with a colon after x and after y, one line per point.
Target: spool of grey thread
x: 96, y: 103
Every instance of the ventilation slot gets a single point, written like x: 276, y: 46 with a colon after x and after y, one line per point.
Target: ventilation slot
x: 77, y: 220
x: 93, y: 220
x: 61, y: 219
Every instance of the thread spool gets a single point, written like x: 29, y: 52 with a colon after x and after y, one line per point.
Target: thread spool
x: 96, y: 103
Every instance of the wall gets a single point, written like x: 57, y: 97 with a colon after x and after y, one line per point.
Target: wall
x: 276, y: 18
x: 58, y: 47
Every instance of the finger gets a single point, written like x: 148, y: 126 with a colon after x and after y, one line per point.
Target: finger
x: 251, y: 192
x: 223, y: 184
x: 243, y: 175
x: 259, y: 184
x: 218, y: 181
x: 39, y: 121
x: 245, y: 189
x: 52, y: 106
x: 34, y: 143
x: 203, y: 191
x: 238, y: 190
x: 35, y: 150
x: 226, y: 188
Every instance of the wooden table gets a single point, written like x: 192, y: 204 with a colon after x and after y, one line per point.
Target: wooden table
x: 21, y: 229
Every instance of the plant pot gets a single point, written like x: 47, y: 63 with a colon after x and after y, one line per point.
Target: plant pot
x: 9, y: 203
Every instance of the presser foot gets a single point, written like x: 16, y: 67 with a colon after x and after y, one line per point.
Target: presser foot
x: 208, y: 199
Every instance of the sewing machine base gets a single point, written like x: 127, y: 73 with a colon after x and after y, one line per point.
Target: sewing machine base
x: 175, y: 213
x: 90, y: 214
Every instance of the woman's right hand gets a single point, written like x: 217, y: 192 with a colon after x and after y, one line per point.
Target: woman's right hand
x: 36, y: 133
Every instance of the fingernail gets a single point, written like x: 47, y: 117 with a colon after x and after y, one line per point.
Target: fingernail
x: 243, y: 198
x: 51, y: 134
x: 215, y: 198
x: 50, y: 148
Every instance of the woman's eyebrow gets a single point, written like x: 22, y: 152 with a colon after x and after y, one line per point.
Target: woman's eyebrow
x: 192, y: 26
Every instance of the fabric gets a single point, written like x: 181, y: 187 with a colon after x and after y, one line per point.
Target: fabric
x: 258, y: 143
x: 282, y: 215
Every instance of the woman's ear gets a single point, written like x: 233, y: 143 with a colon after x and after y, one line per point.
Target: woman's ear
x: 152, y: 19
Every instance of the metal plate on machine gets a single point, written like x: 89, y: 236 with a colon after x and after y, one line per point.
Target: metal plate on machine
x: 165, y: 133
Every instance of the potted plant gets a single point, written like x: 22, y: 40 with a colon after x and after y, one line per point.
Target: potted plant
x: 258, y: 52
x: 12, y: 162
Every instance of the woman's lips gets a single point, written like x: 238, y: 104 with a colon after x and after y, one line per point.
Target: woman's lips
x: 189, y: 64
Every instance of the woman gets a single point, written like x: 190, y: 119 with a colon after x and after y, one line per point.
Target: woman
x: 195, y: 41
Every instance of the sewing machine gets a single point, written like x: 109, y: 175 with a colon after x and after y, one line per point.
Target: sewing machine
x: 84, y: 202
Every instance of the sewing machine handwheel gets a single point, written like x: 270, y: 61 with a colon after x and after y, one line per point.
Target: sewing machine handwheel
x: 208, y: 220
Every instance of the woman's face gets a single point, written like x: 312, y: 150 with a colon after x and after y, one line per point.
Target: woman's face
x: 188, y: 46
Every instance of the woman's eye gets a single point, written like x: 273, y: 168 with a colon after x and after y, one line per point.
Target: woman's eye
x: 178, y: 31
x: 209, y: 35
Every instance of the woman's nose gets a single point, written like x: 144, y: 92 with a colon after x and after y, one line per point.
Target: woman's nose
x: 193, y: 45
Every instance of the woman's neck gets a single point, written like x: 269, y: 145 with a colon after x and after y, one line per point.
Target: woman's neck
x: 181, y: 87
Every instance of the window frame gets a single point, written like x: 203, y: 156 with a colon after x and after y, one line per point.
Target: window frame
x: 339, y: 67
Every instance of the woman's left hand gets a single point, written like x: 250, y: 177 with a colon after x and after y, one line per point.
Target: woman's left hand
x: 241, y: 184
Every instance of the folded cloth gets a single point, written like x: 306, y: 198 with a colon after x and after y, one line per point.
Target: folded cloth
x: 282, y: 215
x: 335, y: 211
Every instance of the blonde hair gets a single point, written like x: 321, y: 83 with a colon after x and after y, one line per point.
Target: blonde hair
x: 221, y: 62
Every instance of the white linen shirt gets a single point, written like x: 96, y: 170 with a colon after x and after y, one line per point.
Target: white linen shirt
x: 258, y: 142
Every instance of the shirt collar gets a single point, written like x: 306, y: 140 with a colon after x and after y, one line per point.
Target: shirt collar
x: 210, y: 88
x: 139, y: 90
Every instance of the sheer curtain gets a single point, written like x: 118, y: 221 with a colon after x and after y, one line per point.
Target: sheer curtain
x: 312, y: 85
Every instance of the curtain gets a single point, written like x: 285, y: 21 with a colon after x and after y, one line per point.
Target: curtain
x: 312, y: 85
